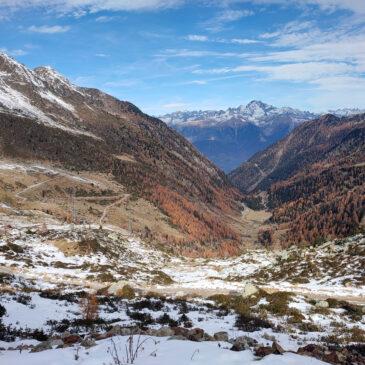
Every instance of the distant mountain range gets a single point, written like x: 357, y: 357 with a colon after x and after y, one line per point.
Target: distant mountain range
x: 229, y: 137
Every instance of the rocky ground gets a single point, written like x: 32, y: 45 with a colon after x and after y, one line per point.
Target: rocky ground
x: 299, y: 306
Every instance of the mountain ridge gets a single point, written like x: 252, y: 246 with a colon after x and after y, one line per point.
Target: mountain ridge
x: 47, y: 118
x: 232, y: 136
x: 312, y: 180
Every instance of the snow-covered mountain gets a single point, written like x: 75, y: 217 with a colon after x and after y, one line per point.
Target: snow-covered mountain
x: 346, y: 112
x: 255, y: 112
x: 229, y: 137
x: 44, y: 117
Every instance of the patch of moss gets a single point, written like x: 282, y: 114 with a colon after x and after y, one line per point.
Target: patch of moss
x: 278, y: 303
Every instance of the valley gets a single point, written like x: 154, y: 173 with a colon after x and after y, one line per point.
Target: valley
x: 121, y: 243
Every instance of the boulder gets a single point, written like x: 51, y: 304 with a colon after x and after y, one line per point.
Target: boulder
x: 43, y: 346
x: 113, y: 236
x: 71, y: 339
x: 196, y: 334
x: 322, y: 304
x: 56, y: 342
x: 117, y: 287
x: 277, y: 349
x: 207, y: 337
x: 88, y: 342
x: 243, y: 343
x: 249, y: 289
x: 164, y: 332
x: 263, y: 351
x: 310, y: 350
x: 221, y: 336
x: 180, y: 331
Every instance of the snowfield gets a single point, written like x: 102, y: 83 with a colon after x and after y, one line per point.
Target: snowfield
x: 156, y: 351
x: 47, y: 269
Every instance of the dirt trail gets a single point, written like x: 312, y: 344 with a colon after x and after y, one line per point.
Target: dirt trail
x: 31, y: 187
x: 107, y: 208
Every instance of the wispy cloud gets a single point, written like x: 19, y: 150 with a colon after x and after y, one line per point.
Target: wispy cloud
x: 204, y: 38
x: 309, y: 71
x: 14, y: 52
x: 197, y: 38
x: 78, y: 6
x: 102, y: 55
x: 217, y: 23
x: 186, y: 53
x: 49, y: 29
x: 244, y: 41
x: 104, y: 19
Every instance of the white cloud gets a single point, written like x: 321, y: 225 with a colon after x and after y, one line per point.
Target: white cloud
x: 195, y: 82
x: 217, y: 23
x: 197, y: 38
x: 355, y: 6
x: 172, y: 53
x: 46, y: 29
x: 101, y: 55
x: 104, y: 19
x: 298, y: 72
x: 65, y: 6
x: 14, y: 52
x: 243, y: 41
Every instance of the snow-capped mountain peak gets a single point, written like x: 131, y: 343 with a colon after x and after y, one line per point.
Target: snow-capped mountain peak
x: 255, y: 112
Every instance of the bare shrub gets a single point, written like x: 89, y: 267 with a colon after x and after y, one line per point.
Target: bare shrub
x: 90, y: 307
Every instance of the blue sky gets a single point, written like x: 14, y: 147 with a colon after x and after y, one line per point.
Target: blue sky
x: 167, y: 55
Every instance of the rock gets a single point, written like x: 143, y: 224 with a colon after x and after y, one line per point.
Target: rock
x: 207, y: 337
x: 249, y: 289
x: 88, y: 342
x: 322, y: 304
x: 113, y: 237
x: 56, y: 342
x: 119, y: 330
x: 277, y: 349
x: 221, y: 336
x: 165, y: 332
x: 196, y: 334
x: 311, y: 350
x: 117, y: 287
x: 331, y: 358
x: 180, y: 331
x: 71, y: 339
x: 243, y: 343
x: 263, y: 351
x: 284, y: 255
x: 363, y: 309
x: 268, y: 337
x: 43, y: 346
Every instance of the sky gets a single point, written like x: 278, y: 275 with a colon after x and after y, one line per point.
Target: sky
x: 168, y: 55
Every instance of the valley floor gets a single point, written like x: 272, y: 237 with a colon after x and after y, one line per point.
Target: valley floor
x: 309, y: 301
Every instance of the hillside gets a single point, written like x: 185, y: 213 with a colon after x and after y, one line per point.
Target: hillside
x: 228, y: 137
x: 48, y: 121
x: 314, y: 179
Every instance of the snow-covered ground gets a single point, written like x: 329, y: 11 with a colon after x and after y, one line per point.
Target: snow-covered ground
x: 58, y: 255
x: 44, y: 267
x: 155, y: 351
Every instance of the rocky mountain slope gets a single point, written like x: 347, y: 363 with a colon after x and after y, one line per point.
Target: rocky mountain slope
x: 228, y: 137
x: 314, y: 179
x: 46, y: 119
